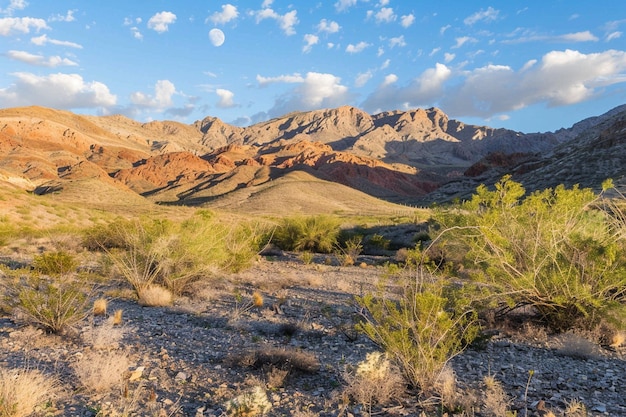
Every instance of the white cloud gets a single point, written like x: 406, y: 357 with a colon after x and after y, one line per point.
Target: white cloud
x: 10, y: 25
x: 585, y: 36
x: 267, y: 3
x: 136, y: 33
x: 162, y: 98
x: 560, y: 78
x: 160, y: 22
x: 294, y: 78
x: 385, y: 64
x: 43, y: 39
x: 309, y: 40
x: 61, y: 91
x: 286, y: 21
x: 68, y: 17
x: 407, y: 20
x: 488, y: 15
x: 389, y: 79
x: 434, y: 51
x: 40, y: 60
x: 328, y: 26
x: 226, y: 98
x: 380, y: 52
x: 398, y: 41
x: 359, y: 47
x: 362, y: 78
x: 343, y: 5
x: 13, y: 6
x: 462, y: 41
x: 613, y: 35
x: 228, y: 13
x: 448, y: 57
x: 385, y: 15
x: 423, y: 90
x: 443, y: 29
x: 315, y: 91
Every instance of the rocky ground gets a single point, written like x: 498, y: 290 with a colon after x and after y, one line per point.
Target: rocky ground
x: 191, y: 359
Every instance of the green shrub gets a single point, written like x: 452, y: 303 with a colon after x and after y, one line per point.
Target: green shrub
x: 106, y: 236
x: 55, y: 263
x: 56, y: 304
x: 423, y: 327
x: 174, y: 255
x: 559, y: 250
x: 379, y: 241
x: 312, y: 233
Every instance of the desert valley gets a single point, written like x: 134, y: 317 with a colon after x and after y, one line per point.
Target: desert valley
x: 298, y: 267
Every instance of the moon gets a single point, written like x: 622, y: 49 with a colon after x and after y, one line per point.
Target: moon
x: 217, y: 37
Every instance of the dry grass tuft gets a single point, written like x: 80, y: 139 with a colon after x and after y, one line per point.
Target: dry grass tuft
x: 155, y: 296
x: 575, y: 409
x: 100, y: 307
x: 100, y: 371
x: 257, y: 299
x: 106, y: 336
x: 495, y: 402
x: 282, y: 358
x: 21, y: 391
x: 116, y: 319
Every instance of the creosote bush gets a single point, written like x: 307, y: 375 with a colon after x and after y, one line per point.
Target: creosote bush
x: 174, y: 255
x: 56, y: 304
x: 313, y: 233
x: 422, y: 327
x: 55, y: 263
x: 561, y: 251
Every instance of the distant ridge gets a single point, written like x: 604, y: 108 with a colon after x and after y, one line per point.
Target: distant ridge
x: 412, y: 157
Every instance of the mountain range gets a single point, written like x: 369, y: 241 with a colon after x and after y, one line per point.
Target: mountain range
x: 342, y: 157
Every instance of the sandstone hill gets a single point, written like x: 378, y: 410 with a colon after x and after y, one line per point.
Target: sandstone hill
x: 415, y: 157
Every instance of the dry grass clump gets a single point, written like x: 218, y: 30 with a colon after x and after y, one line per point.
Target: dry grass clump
x: 451, y: 397
x: 282, y: 358
x: 100, y: 371
x: 576, y: 346
x: 374, y: 381
x: 22, y: 390
x: 100, y: 307
x: 155, y: 296
x: 106, y: 336
x: 496, y: 402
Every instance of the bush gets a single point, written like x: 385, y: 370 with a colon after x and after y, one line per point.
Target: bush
x: 313, y: 233
x: 174, y: 255
x: 56, y: 304
x: 422, y: 328
x: 101, y: 371
x: 559, y: 250
x: 55, y: 263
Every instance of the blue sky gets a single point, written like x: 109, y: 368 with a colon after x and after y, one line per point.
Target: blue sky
x: 524, y: 65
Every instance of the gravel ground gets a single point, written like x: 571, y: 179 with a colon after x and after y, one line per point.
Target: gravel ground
x: 192, y: 358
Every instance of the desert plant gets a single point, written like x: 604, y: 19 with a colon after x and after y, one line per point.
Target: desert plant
x: 249, y: 404
x: 350, y: 250
x: 313, y: 233
x: 55, y: 263
x: 100, y: 307
x: 100, y: 371
x: 376, y: 380
x: 154, y: 296
x: 21, y: 390
x: 559, y: 250
x: 56, y: 304
x: 422, y: 328
x: 174, y: 255
x: 496, y: 402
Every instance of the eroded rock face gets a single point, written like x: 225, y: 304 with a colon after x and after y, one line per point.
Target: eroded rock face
x: 397, y: 155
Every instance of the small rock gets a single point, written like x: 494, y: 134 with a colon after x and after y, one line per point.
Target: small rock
x: 136, y: 374
x: 180, y: 377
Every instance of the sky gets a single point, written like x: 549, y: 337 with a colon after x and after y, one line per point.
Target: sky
x: 530, y: 66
